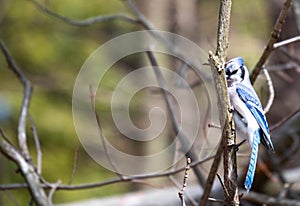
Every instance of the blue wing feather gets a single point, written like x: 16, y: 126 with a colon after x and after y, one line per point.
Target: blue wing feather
x: 252, y: 102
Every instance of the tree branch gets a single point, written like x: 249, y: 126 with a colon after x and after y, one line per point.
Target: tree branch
x: 37, y: 145
x: 107, y: 182
x: 213, y: 171
x: 85, y: 22
x: 22, y: 137
x: 27, y: 170
x: 271, y: 91
x: 286, y: 42
x: 273, y: 38
x: 262, y: 199
x: 226, y: 118
x: 176, y: 127
x: 23, y: 159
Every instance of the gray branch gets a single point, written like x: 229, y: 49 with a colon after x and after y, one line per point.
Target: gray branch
x: 85, y: 22
x: 27, y: 170
x: 22, y: 137
x: 273, y: 38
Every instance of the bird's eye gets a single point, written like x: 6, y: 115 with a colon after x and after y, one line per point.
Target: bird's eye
x: 234, y: 72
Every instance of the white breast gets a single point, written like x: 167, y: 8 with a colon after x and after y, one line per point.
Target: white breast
x: 245, y: 122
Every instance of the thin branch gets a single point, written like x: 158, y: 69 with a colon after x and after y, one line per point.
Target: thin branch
x: 213, y: 170
x: 286, y: 42
x: 141, y: 18
x: 146, y: 24
x: 263, y: 199
x: 106, y: 151
x: 273, y: 38
x: 284, y: 120
x: 178, y: 185
x: 293, y: 57
x: 184, y: 184
x: 28, y: 171
x: 271, y: 91
x: 74, y: 165
x: 223, y: 186
x: 22, y: 137
x: 107, y: 182
x: 52, y: 191
x: 296, y: 11
x: 182, y: 72
x: 176, y: 127
x: 285, y: 190
x: 11, y: 197
x: 37, y: 145
x: 23, y: 159
x: 215, y: 200
x: 281, y: 67
x: 85, y: 22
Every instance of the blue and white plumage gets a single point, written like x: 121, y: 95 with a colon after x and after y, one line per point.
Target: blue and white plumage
x: 250, y: 121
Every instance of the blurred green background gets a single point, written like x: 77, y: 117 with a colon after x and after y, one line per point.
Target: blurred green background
x: 51, y: 53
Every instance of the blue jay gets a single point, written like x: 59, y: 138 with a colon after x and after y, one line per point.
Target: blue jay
x: 250, y: 121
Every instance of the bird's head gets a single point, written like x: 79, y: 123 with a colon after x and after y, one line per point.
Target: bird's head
x: 236, y: 71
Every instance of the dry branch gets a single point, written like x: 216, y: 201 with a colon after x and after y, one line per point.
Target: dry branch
x: 107, y: 182
x: 286, y: 42
x: 262, y: 199
x: 273, y: 38
x: 23, y: 159
x: 84, y: 22
x: 226, y: 118
x: 27, y: 170
x: 176, y: 127
x: 22, y: 137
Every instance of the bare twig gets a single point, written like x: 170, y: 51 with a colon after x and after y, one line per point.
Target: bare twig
x: 284, y: 120
x: 213, y: 125
x: 273, y: 38
x: 141, y: 18
x: 23, y: 159
x: 271, y: 91
x: 213, y: 171
x: 215, y: 200
x: 37, y: 145
x: 22, y: 137
x: 262, y: 199
x: 285, y: 190
x: 223, y: 186
x: 11, y: 197
x: 176, y: 127
x: 74, y: 165
x: 296, y: 9
x: 192, y: 61
x: 106, y: 151
x: 107, y: 182
x: 185, y: 178
x: 281, y: 67
x: 182, y: 71
x: 52, y: 191
x: 286, y: 42
x: 178, y: 185
x: 85, y: 22
x: 293, y: 57
x: 28, y: 171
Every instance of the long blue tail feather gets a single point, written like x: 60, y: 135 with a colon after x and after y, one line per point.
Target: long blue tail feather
x: 253, y: 160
